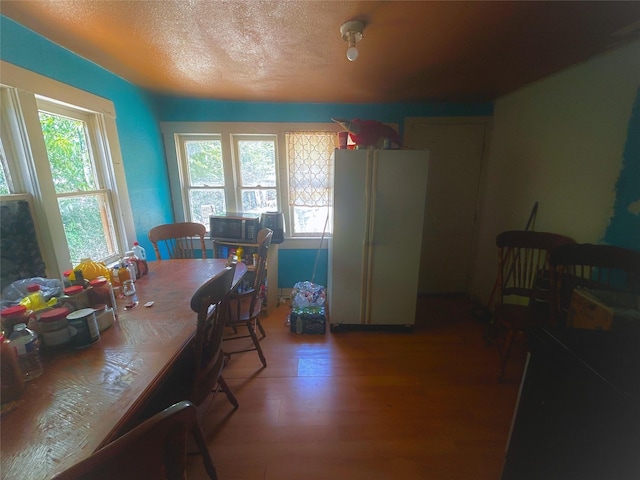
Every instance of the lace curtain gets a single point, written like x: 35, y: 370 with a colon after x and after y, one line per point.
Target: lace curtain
x: 310, y: 157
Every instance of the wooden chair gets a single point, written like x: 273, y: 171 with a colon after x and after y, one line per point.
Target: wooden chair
x: 156, y: 449
x: 599, y: 267
x: 211, y: 303
x: 245, y: 307
x: 524, y: 290
x: 178, y: 239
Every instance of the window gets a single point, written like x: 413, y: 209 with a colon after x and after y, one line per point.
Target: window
x: 205, y: 174
x: 254, y: 168
x: 310, y: 158
x: 83, y: 202
x: 59, y: 148
x: 257, y: 173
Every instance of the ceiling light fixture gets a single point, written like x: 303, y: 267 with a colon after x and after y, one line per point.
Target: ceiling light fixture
x: 352, y: 33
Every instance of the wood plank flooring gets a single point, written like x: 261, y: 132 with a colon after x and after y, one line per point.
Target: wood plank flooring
x: 375, y: 404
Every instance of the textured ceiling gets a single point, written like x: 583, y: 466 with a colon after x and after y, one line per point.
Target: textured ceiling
x: 292, y: 50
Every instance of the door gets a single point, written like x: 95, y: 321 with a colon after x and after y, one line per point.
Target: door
x: 456, y: 149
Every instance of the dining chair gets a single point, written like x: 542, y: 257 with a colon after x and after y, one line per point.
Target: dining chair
x: 179, y: 240
x: 245, y: 307
x: 592, y: 266
x: 524, y: 289
x: 156, y: 449
x: 211, y: 302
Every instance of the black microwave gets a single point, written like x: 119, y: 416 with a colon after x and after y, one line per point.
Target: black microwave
x: 240, y: 227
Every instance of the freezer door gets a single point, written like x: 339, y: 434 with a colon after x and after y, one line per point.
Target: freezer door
x: 346, y: 286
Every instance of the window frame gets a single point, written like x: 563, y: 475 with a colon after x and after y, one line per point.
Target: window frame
x: 173, y: 131
x: 22, y: 90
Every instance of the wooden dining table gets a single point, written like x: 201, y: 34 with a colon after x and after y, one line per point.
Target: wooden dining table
x: 87, y: 398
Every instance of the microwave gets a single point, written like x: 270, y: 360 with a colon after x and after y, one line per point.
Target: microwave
x: 240, y: 227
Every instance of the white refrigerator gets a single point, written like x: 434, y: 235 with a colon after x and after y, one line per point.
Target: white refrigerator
x: 374, y: 252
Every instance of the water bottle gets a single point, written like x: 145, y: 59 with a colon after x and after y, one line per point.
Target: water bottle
x: 131, y: 263
x: 27, y: 347
x: 141, y: 255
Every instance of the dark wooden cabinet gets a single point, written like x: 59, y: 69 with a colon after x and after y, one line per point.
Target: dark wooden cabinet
x: 578, y: 412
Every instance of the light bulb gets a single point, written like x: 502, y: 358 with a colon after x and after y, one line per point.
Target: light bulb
x: 352, y: 54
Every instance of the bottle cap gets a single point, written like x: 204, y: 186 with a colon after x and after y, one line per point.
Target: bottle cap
x: 15, y: 311
x: 98, y: 282
x: 55, y: 314
x: 73, y: 290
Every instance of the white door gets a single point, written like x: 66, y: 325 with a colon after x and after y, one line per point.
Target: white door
x: 456, y: 149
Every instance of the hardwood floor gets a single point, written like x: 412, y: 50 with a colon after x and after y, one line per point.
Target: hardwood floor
x: 374, y: 404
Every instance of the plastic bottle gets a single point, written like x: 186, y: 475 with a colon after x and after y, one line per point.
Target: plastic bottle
x: 11, y: 379
x: 124, y: 273
x: 131, y: 262
x: 240, y: 253
x: 14, y: 315
x: 141, y: 254
x: 26, y: 344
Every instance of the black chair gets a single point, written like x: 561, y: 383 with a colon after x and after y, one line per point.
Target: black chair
x: 524, y: 287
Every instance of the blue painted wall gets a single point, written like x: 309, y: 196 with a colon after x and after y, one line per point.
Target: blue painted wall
x: 137, y: 120
x: 624, y: 228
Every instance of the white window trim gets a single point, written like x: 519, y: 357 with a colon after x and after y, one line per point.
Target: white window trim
x: 28, y: 85
x: 173, y: 130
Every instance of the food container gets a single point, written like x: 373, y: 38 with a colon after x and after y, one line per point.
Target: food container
x: 12, y: 316
x: 91, y: 270
x: 101, y: 293
x: 104, y: 317
x: 54, y: 327
x: 84, y: 328
x: 75, y: 298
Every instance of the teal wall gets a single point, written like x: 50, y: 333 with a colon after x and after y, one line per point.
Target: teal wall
x: 179, y: 109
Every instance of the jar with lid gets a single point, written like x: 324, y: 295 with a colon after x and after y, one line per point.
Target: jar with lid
x: 54, y: 327
x: 27, y: 347
x: 12, y: 316
x: 75, y: 298
x: 101, y: 292
x: 11, y: 379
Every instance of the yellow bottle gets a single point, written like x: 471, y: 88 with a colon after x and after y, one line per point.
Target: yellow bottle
x: 239, y: 253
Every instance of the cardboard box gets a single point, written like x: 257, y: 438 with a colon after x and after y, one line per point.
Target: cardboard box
x: 604, y: 310
x: 304, y: 321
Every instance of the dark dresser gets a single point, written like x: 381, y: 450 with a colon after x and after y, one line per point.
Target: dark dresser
x: 578, y: 411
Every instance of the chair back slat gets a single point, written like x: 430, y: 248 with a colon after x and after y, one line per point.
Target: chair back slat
x: 523, y: 263
x: 179, y: 240
x: 593, y: 266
